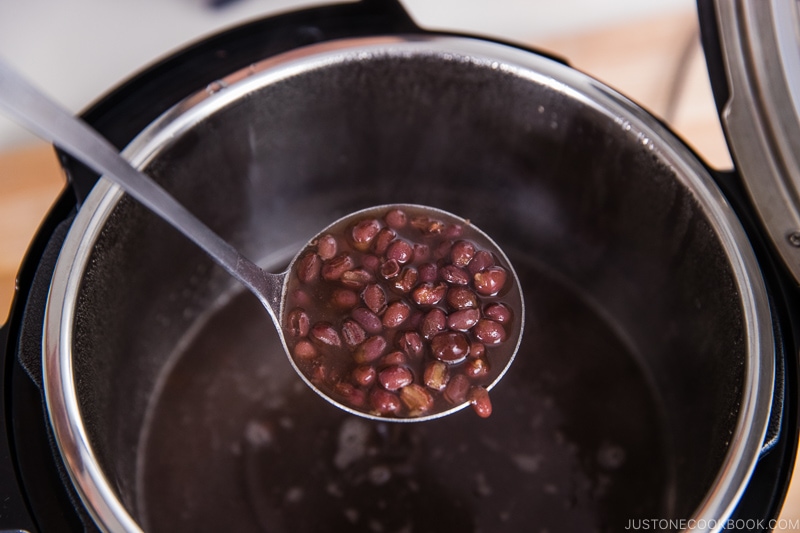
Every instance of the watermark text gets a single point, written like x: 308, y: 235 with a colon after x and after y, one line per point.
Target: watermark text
x: 750, y: 524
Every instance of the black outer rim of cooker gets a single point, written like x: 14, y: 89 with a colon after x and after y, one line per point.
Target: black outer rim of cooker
x: 35, y: 494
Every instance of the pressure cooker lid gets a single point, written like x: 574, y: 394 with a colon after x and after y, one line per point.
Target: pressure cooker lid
x: 760, y: 51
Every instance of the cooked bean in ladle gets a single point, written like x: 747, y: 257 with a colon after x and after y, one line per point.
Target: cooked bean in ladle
x: 399, y: 312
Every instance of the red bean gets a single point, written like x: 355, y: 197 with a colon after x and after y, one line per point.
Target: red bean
x: 481, y: 404
x: 318, y: 373
x: 463, y: 320
x: 453, y: 231
x: 344, y: 299
x: 394, y: 358
x: 396, y: 313
x: 480, y: 262
x: 369, y: 350
x: 390, y: 269
x: 400, y: 251
x: 382, y: 240
x: 298, y: 323
x: 368, y: 320
x: 428, y: 272
x: 462, y: 253
x: 418, y: 400
x: 490, y: 281
x: 301, y: 298
x: 427, y: 225
x: 457, y: 389
x: 436, y: 375
x: 410, y: 343
x: 395, y: 377
x: 434, y: 322
x: 476, y: 367
x: 363, y: 233
x: 489, y: 332
x: 450, y: 347
x: 396, y: 218
x: 375, y: 298
x: 358, y: 278
x: 384, y: 402
x: 454, y: 275
x: 415, y: 319
x: 498, y: 312
x: 406, y: 280
x: 333, y: 269
x: 351, y: 395
x: 442, y: 251
x: 308, y: 267
x: 304, y: 350
x: 325, y: 333
x: 371, y: 263
x: 429, y: 293
x: 421, y: 253
x: 461, y: 298
x: 364, y: 375
x: 352, y: 333
x: 327, y: 247
x: 476, y: 349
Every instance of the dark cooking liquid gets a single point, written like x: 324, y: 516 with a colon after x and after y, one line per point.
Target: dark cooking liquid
x: 236, y: 442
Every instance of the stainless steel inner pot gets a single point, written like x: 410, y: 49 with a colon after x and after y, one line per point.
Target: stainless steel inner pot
x: 643, y: 386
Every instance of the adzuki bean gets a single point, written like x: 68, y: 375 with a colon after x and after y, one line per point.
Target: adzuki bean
x: 363, y: 233
x: 498, y: 312
x: 490, y: 281
x: 463, y: 320
x: 395, y: 377
x: 344, y: 299
x: 489, y: 332
x: 352, y: 333
x: 369, y: 350
x: 364, y: 375
x: 384, y: 402
x: 416, y: 398
x: 479, y: 398
x: 394, y: 358
x: 298, y: 323
x: 429, y: 293
x: 375, y: 298
x: 327, y: 247
x: 436, y: 375
x: 325, y: 334
x: 398, y: 313
x: 462, y: 253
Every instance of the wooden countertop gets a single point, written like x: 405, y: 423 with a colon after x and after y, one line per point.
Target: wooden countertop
x: 656, y: 63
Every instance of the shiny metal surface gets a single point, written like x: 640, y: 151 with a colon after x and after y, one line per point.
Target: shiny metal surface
x: 761, y: 50
x: 615, y: 274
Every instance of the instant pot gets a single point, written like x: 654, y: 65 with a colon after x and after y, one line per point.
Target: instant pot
x: 656, y: 387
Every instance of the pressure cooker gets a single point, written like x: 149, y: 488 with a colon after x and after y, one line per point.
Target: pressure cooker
x: 657, y: 383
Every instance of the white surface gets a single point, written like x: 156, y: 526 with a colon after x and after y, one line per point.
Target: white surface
x: 78, y: 49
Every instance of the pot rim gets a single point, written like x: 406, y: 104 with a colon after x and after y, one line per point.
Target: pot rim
x: 92, y: 485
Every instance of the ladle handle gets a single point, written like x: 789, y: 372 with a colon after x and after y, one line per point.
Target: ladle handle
x: 25, y: 104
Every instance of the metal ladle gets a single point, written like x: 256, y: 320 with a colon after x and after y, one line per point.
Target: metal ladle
x: 25, y: 104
